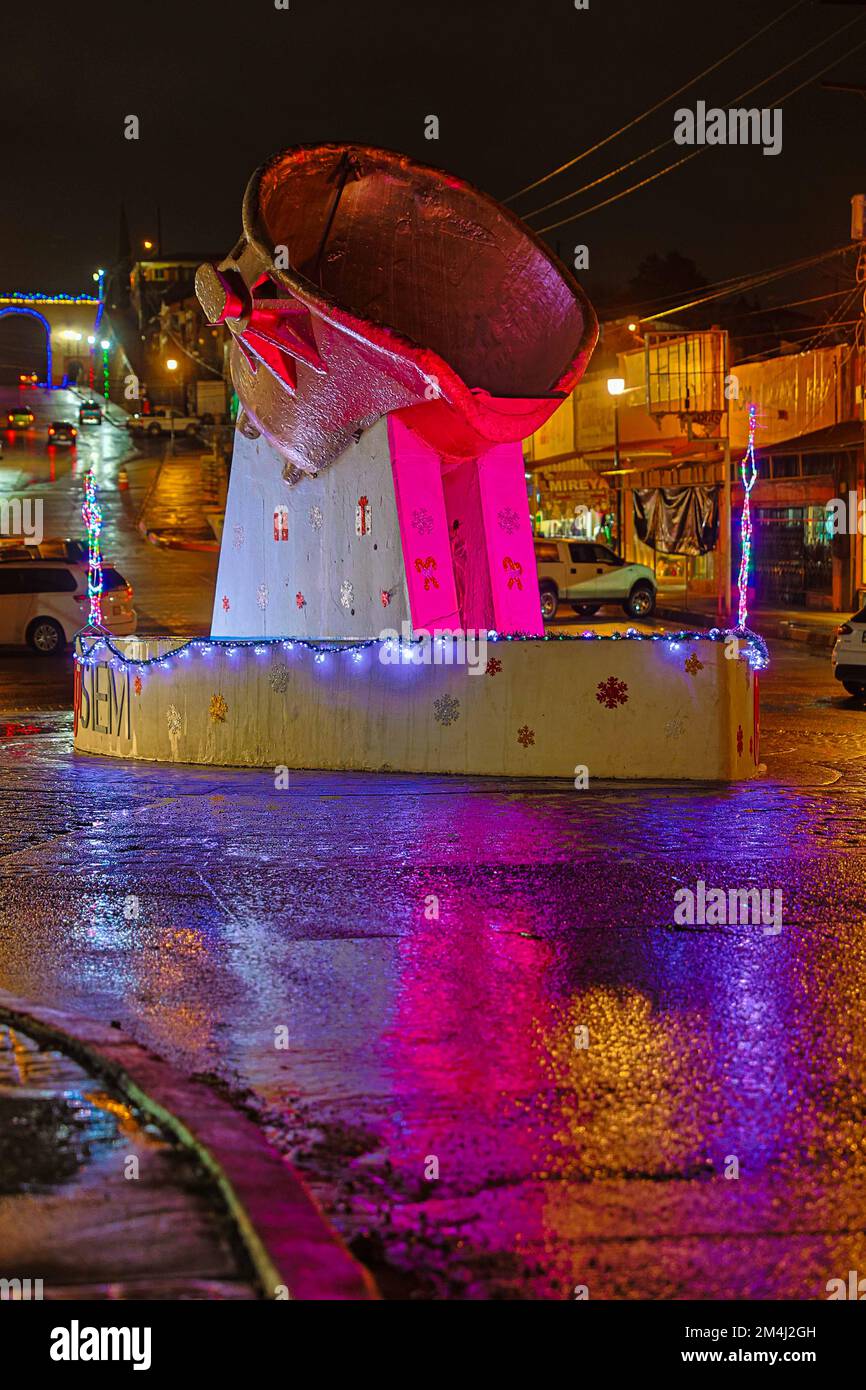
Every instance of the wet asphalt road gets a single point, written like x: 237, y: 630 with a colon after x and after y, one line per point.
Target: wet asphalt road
x: 417, y: 1040
x: 205, y: 910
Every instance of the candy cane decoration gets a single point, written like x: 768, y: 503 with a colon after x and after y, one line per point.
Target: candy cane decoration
x: 91, y: 513
x: 746, y: 518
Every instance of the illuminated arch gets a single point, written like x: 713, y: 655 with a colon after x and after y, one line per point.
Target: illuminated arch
x: 33, y: 314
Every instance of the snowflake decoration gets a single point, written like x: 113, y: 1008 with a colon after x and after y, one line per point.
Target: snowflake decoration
x: 508, y: 520
x: 279, y: 679
x: 316, y: 518
x: 446, y: 709
x: 693, y: 664
x: 262, y: 596
x: 526, y: 736
x: 238, y: 538
x: 226, y: 604
x: 300, y: 600
x: 740, y: 740
x: 675, y: 728
x: 173, y: 720
x: 385, y: 596
x: 611, y: 692
x: 347, y: 594
x: 422, y: 521
x: 136, y: 685
x: 218, y: 709
x: 494, y: 665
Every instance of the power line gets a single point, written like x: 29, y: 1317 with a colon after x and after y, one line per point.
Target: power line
x: 747, y: 283
x: 700, y: 150
x: 792, y: 304
x: 788, y: 333
x: 730, y: 280
x: 670, y: 140
x: 652, y: 109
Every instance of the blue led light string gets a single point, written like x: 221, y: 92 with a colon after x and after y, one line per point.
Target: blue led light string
x: 756, y: 649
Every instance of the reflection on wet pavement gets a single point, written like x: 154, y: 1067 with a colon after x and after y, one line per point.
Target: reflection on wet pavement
x: 510, y: 1073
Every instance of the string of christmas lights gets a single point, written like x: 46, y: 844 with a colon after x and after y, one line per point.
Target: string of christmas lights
x: 746, y: 519
x: 89, y: 655
x: 91, y: 513
x: 22, y: 297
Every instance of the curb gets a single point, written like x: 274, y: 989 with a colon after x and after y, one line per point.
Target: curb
x: 286, y: 1236
x: 172, y: 543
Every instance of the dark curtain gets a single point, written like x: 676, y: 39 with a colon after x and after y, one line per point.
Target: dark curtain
x: 677, y: 520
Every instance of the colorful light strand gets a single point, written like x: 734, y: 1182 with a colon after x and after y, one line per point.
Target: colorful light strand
x: 755, y: 650
x: 746, y: 520
x: 36, y: 297
x: 91, y: 513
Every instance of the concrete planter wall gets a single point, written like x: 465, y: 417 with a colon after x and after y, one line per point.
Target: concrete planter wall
x: 623, y: 709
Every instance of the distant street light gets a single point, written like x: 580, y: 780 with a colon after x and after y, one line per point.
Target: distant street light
x: 171, y: 364
x: 91, y: 340
x: 148, y: 246
x: 105, y: 344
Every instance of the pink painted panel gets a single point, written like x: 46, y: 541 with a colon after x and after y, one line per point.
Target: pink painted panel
x: 510, y: 549
x: 423, y: 529
x: 468, y: 544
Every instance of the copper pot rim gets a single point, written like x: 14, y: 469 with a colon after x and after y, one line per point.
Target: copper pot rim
x: 387, y: 337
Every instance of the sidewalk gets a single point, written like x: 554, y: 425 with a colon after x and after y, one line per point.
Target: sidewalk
x: 125, y: 1178
x: 95, y: 1202
x: 815, y: 627
x: 175, y: 511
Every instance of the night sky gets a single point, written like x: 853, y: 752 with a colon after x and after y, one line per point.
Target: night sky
x: 518, y: 88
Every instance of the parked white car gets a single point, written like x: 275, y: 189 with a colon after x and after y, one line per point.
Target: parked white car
x: 164, y: 420
x: 43, y: 603
x: 849, y: 654
x: 587, y: 575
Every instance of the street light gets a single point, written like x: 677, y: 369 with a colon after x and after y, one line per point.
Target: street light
x: 171, y: 364
x: 148, y: 246
x: 105, y: 344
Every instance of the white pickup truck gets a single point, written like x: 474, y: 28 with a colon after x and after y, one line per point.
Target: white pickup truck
x: 164, y: 420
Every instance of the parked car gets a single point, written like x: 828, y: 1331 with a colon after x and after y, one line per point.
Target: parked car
x: 164, y: 420
x: 20, y: 417
x: 849, y: 654
x: 43, y: 603
x: 54, y: 548
x: 90, y: 413
x: 587, y: 575
x: 62, y: 432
